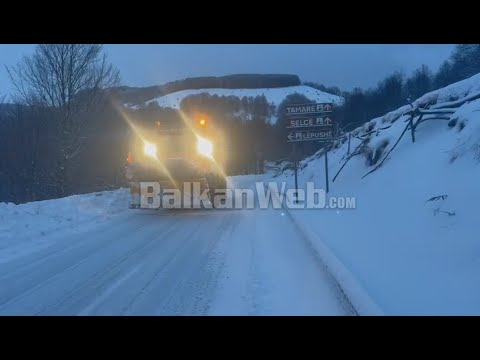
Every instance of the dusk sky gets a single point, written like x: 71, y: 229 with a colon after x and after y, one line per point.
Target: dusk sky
x: 345, y: 66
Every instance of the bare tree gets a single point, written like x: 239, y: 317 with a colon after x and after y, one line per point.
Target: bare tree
x: 56, y: 74
x: 67, y: 81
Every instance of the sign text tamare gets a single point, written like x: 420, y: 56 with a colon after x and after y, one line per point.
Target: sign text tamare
x: 308, y: 109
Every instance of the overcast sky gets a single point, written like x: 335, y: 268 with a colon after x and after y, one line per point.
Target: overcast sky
x: 345, y: 66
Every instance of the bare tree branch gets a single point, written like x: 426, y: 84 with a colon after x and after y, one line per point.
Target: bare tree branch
x: 67, y: 79
x: 355, y: 152
x: 56, y: 74
x: 386, y: 156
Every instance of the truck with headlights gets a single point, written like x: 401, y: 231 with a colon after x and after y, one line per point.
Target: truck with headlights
x: 174, y: 153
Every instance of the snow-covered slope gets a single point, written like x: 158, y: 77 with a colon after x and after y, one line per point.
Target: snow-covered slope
x: 273, y: 95
x: 414, y: 256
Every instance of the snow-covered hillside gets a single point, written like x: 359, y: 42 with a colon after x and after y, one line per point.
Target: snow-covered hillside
x: 274, y: 95
x: 413, y: 240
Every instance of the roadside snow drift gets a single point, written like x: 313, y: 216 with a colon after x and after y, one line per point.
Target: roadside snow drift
x: 27, y: 227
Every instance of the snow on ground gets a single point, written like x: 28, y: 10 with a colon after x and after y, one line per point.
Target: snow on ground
x: 269, y: 270
x: 124, y: 262
x: 413, y: 256
x: 25, y: 228
x: 273, y: 95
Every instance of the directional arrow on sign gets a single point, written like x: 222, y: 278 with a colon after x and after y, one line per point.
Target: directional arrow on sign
x: 311, y: 135
x: 327, y: 107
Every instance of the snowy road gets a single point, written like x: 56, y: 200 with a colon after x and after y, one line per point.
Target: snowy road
x: 184, y: 262
x: 177, y: 262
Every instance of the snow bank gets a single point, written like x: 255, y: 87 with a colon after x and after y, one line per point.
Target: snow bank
x: 27, y: 226
x: 360, y: 299
x: 413, y: 256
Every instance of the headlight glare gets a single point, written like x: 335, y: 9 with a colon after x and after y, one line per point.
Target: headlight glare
x: 204, y: 147
x: 150, y: 150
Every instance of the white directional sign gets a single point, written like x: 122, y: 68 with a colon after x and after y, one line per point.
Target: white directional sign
x: 310, y: 122
x: 310, y: 135
x: 293, y: 110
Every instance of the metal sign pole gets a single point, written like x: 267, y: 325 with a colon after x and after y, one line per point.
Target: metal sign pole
x: 326, y: 169
x: 295, y: 161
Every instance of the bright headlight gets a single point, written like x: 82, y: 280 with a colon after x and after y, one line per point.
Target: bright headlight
x: 204, y: 147
x: 150, y: 149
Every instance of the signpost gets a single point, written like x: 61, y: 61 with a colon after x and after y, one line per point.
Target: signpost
x: 310, y: 122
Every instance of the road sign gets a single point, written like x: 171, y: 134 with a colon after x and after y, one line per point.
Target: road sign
x: 306, y: 122
x: 310, y: 122
x: 321, y: 134
x: 308, y: 109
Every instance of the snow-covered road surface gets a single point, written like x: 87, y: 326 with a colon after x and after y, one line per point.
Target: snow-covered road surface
x: 182, y: 262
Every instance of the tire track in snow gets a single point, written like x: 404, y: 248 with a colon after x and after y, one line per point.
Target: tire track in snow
x: 65, y: 246
x: 30, y: 270
x: 173, y: 300
x: 108, y: 292
x: 144, y: 291
x: 96, y: 278
x: 190, y: 287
